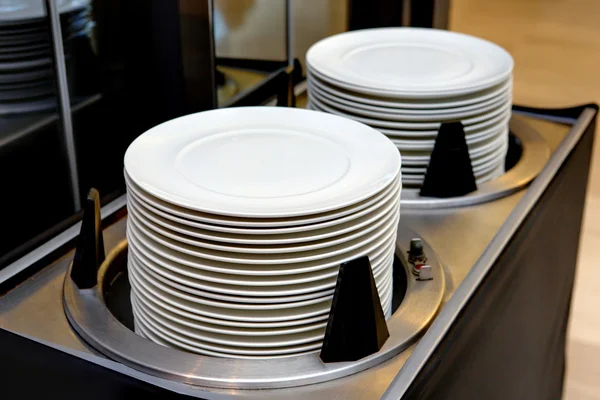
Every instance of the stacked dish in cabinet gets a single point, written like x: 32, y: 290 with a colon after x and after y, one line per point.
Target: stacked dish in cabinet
x: 27, y: 82
x: 240, y: 218
x: 405, y: 82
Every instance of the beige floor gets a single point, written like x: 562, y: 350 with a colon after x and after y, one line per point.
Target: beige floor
x: 556, y: 46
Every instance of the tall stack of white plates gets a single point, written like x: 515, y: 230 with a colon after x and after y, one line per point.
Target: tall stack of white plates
x: 405, y: 81
x: 26, y: 70
x: 240, y: 218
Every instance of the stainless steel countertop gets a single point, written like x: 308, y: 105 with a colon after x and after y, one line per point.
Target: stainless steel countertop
x: 460, y: 236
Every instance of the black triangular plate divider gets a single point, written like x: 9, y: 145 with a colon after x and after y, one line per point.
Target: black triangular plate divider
x: 356, y: 327
x: 89, y: 253
x: 450, y: 173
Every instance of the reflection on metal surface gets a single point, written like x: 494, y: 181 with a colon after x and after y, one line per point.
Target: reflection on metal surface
x: 536, y: 153
x: 91, y: 318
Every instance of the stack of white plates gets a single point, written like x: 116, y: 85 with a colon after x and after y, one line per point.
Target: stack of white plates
x: 26, y: 70
x: 239, y: 219
x: 405, y: 81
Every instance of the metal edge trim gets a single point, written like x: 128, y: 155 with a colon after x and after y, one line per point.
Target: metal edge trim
x: 463, y: 293
x: 51, y: 245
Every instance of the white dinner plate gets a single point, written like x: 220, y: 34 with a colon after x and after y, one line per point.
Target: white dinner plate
x: 256, y: 275
x: 417, y: 106
x: 421, y: 157
x: 213, y: 291
x: 273, y: 315
x: 23, y: 94
x: 235, y: 235
x: 409, y: 62
x: 141, y: 273
x: 220, y: 310
x: 382, y: 280
x: 26, y: 85
x: 261, y: 335
x: 255, y: 326
x: 150, y: 322
x: 16, y: 66
x: 480, y: 166
x: 9, y: 42
x: 265, y: 162
x: 22, y: 29
x: 476, y: 150
x: 381, y: 123
x: 381, y: 270
x: 482, y: 146
x: 490, y: 145
x: 401, y: 115
x: 381, y: 277
x: 26, y: 76
x: 225, y: 330
x: 6, y: 49
x: 494, y: 157
x: 256, y: 294
x: 214, y: 282
x: 244, y: 337
x: 24, y: 56
x: 27, y: 106
x: 142, y: 330
x: 265, y: 244
x: 251, y: 295
x: 473, y: 141
x: 243, y: 261
x: 491, y: 125
x: 209, y: 324
x: 296, y: 223
x: 234, y: 340
x: 170, y: 338
x: 488, y: 176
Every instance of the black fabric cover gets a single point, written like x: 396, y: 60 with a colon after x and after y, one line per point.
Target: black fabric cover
x: 31, y: 370
x: 509, y: 342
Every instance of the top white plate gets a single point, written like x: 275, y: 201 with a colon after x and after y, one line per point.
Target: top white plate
x: 262, y: 162
x: 409, y: 62
x: 14, y: 10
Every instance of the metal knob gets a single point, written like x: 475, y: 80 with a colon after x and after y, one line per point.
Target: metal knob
x: 416, y: 255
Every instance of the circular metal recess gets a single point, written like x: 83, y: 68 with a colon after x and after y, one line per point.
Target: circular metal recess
x: 90, y: 316
x: 535, y: 155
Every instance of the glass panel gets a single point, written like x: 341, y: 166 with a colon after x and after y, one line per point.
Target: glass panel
x: 255, y: 29
x: 314, y: 20
x: 34, y: 173
x: 252, y: 29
